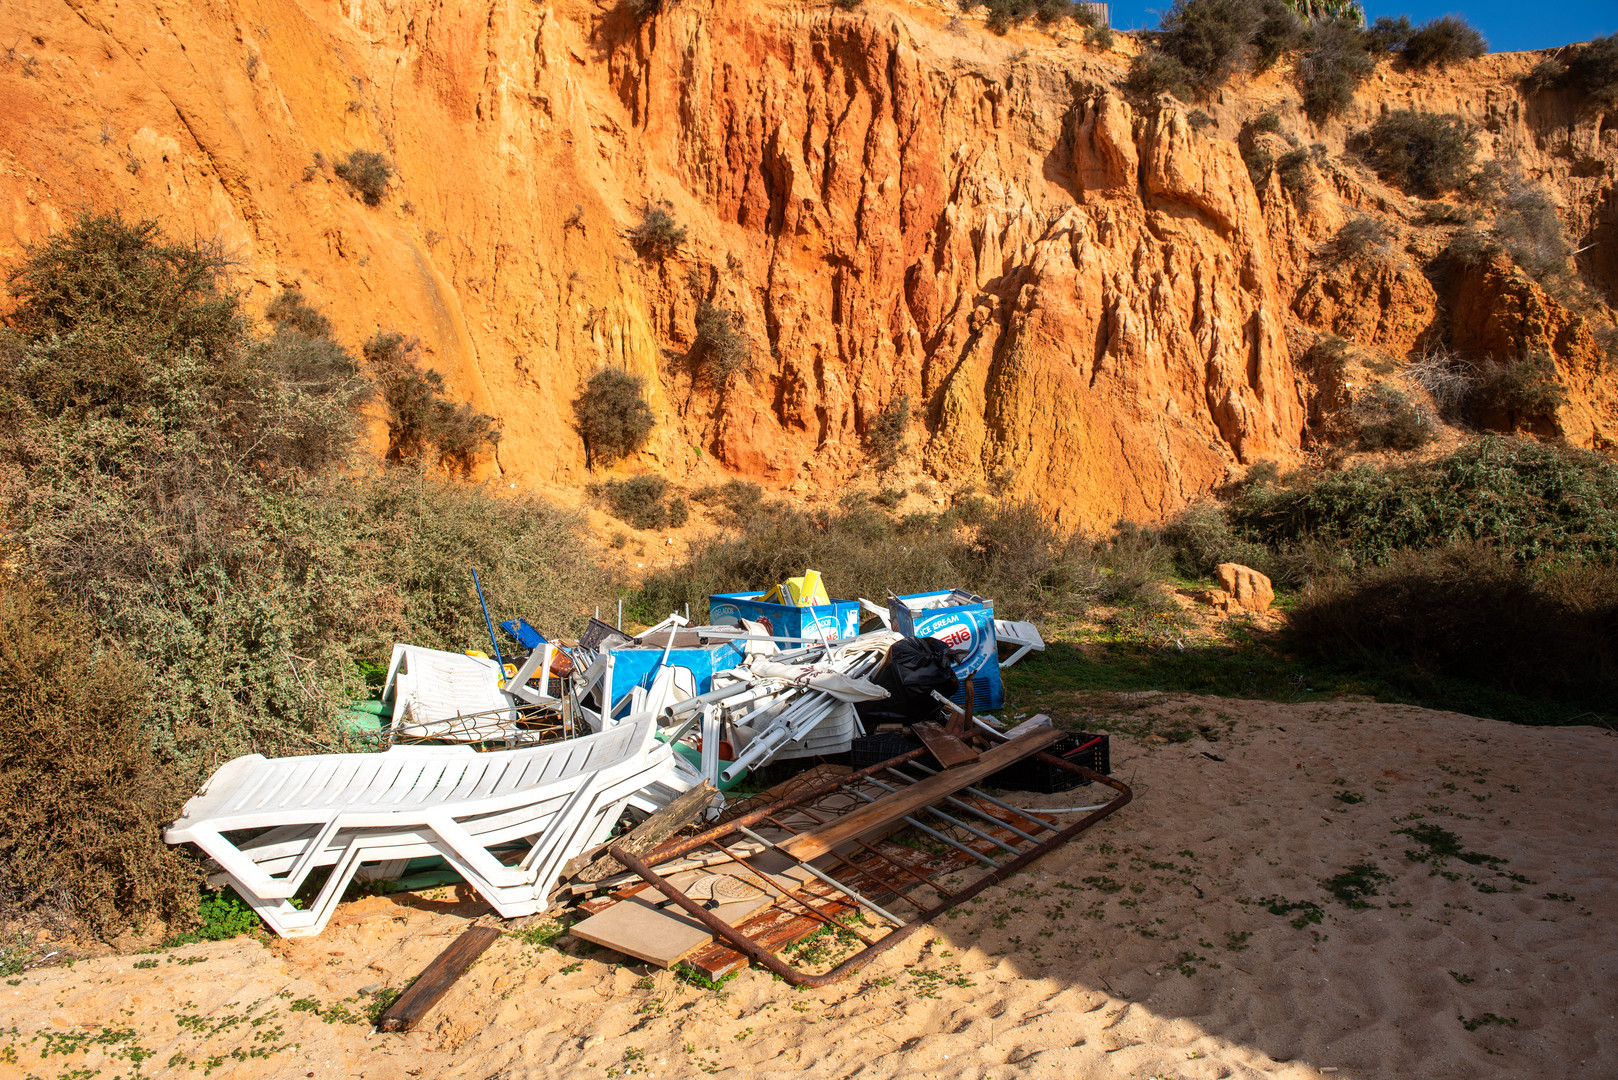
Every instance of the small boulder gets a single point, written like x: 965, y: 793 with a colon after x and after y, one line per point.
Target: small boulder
x: 1246, y: 586
x: 1218, y: 599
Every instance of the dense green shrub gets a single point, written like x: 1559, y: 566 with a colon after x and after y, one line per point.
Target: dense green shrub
x: 1386, y: 419
x: 1445, y: 40
x: 1427, y: 154
x: 885, y: 436
x: 722, y: 353
x: 614, y: 419
x: 424, y: 427
x: 1472, y: 612
x: 645, y: 501
x: 657, y: 235
x: 367, y: 172
x: 1526, y: 498
x: 83, y: 795
x: 1332, y: 68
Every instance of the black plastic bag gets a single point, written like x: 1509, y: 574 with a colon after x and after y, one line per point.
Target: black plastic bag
x: 915, y: 667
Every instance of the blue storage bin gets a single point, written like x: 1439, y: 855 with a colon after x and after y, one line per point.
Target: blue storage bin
x: 838, y: 620
x: 632, y: 667
x: 964, y: 622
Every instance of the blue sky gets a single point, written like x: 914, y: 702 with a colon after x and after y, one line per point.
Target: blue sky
x: 1508, y: 26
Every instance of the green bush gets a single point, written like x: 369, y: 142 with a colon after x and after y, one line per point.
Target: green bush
x: 645, y: 502
x: 657, y: 234
x: 614, y: 419
x: 83, y: 794
x: 1280, y: 31
x: 1526, y: 498
x: 1425, y: 153
x: 1387, y: 419
x: 1201, y: 536
x: 144, y: 483
x: 423, y: 426
x: 1292, y: 168
x: 1472, y: 612
x: 722, y: 352
x: 1445, y: 40
x: 885, y: 436
x: 367, y: 172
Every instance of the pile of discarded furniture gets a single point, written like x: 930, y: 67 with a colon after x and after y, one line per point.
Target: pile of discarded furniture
x: 519, y: 777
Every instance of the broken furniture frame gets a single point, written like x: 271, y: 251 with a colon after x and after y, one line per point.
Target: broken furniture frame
x: 1021, y: 841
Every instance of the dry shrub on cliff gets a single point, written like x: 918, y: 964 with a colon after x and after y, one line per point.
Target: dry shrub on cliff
x: 424, y: 427
x: 1209, y: 38
x: 1427, y: 154
x: 658, y: 234
x: 1386, y: 419
x: 1472, y: 612
x: 1004, y: 14
x: 722, y: 352
x: 1360, y: 239
x: 1332, y: 68
x: 1445, y: 40
x: 1388, y: 34
x: 1516, y: 394
x: 83, y: 795
x: 1280, y: 31
x: 731, y: 502
x: 1590, y: 70
x: 367, y: 172
x: 645, y: 501
x: 613, y: 418
x: 1529, y: 229
x: 885, y: 436
x: 1152, y: 73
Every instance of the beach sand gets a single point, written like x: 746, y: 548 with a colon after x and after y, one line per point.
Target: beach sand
x: 1148, y: 947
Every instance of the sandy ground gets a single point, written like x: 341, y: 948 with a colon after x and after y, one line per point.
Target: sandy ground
x: 1141, y: 950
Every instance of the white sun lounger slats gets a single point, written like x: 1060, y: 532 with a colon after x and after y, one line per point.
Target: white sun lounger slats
x: 350, y: 811
x: 1021, y: 636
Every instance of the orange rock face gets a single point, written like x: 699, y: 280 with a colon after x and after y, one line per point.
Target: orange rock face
x: 1086, y: 304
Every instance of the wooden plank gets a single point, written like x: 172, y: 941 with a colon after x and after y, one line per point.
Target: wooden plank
x: 652, y: 832
x: 945, y: 746
x: 436, y: 979
x: 891, y: 808
x: 648, y: 927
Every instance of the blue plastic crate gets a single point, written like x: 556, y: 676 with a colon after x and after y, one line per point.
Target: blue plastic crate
x: 836, y: 621
x: 966, y: 626
x: 632, y: 667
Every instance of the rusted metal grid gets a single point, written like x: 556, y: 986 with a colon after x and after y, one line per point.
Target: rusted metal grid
x: 966, y: 827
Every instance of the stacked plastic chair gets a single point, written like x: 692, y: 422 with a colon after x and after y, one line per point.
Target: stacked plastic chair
x: 270, y: 824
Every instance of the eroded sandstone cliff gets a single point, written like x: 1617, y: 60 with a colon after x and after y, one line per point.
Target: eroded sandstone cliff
x: 1085, y: 300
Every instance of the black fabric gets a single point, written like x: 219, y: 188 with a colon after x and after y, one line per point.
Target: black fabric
x: 915, y: 667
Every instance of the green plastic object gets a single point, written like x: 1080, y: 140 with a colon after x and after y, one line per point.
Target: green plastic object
x: 694, y: 756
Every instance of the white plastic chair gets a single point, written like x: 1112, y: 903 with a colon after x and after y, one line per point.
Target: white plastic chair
x: 349, y: 811
x: 1022, y: 636
x: 432, y: 690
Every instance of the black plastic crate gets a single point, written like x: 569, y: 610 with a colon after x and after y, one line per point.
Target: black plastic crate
x: 868, y: 750
x: 1094, y: 752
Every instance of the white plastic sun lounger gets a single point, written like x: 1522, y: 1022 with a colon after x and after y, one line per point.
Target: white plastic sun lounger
x: 352, y: 811
x: 1022, y: 636
x: 433, y: 690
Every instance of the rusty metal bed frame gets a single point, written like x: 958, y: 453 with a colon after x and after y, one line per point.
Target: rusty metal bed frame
x: 994, y: 834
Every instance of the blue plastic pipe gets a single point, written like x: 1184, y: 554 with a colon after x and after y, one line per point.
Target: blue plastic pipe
x: 497, y: 659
